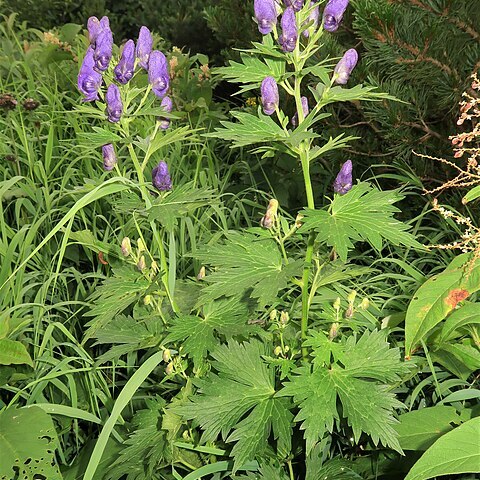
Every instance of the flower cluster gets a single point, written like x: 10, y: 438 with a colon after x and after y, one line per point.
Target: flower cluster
x: 97, y: 61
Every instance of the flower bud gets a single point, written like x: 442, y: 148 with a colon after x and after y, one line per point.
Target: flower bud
x: 103, y: 46
x: 270, y: 98
x: 343, y: 182
x: 154, y: 267
x: 266, y: 15
x: 351, y: 296
x: 333, y: 331
x: 167, y: 106
x: 349, y: 312
x: 167, y: 355
x: 345, y: 66
x: 365, y: 303
x: 305, y: 111
x: 336, y: 304
x: 273, y: 315
x: 89, y: 80
x: 201, y: 274
x: 169, y: 369
x: 286, y: 349
x: 144, y: 47
x: 141, y: 246
x: 147, y: 300
x: 284, y: 318
x: 295, y: 4
x: 289, y: 36
x: 158, y: 73
x: 268, y: 219
x: 114, y: 103
x: 109, y: 157
x: 126, y: 247
x: 298, y: 220
x: 277, y: 351
x: 94, y: 28
x: 161, y: 178
x: 126, y: 66
x: 333, y: 14
x: 141, y: 264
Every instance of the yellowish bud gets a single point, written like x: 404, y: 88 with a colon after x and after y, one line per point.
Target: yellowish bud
x: 298, y: 220
x: 167, y: 355
x: 141, y: 265
x: 333, y: 331
x: 201, y: 274
x: 351, y: 297
x: 126, y: 247
x: 284, y: 318
x: 336, y: 304
x: 273, y: 315
x: 169, y: 369
x: 349, y: 312
x: 147, y: 300
x: 287, y: 348
x: 141, y: 246
x: 154, y: 267
x: 268, y: 219
x: 278, y: 350
x: 365, y: 304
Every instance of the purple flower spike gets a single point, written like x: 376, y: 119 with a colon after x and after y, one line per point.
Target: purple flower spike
x: 167, y: 106
x: 313, y: 17
x: 161, y: 178
x: 114, y: 103
x: 89, y: 80
x: 109, y: 157
x: 144, y: 47
x: 94, y: 28
x: 126, y: 66
x: 295, y: 4
x: 103, y: 48
x: 305, y: 111
x: 158, y: 73
x: 105, y: 23
x: 270, y: 98
x: 266, y: 15
x: 343, y: 182
x: 289, y: 36
x: 345, y: 66
x: 333, y: 14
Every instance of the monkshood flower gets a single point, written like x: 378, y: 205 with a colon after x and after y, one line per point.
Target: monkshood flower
x: 89, y: 80
x: 158, y: 73
x: 343, y: 182
x: 103, y: 48
x: 288, y: 38
x: 144, y: 47
x: 94, y: 28
x: 295, y: 4
x: 305, y: 111
x: 270, y: 98
x: 313, y: 17
x: 126, y: 66
x: 109, y: 157
x: 345, y: 66
x: 167, y: 105
x: 161, y: 178
x: 333, y: 14
x: 266, y: 15
x: 114, y: 103
x: 268, y: 220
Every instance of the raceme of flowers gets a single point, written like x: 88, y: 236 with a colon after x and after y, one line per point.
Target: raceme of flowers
x: 92, y: 74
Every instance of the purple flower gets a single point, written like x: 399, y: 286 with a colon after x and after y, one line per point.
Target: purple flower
x: 94, y: 28
x: 109, y: 157
x: 126, y: 66
x: 295, y: 4
x: 266, y: 15
x: 114, y: 103
x: 144, y: 47
x: 270, y: 98
x: 89, y: 80
x: 343, y: 182
x: 345, y: 66
x: 313, y: 17
x: 158, y: 73
x: 333, y: 14
x: 103, y: 47
x: 160, y: 177
x: 288, y: 38
x: 305, y: 111
x: 167, y: 106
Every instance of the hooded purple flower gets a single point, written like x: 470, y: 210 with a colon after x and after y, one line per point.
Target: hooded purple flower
x: 343, y: 182
x: 103, y: 46
x: 333, y: 14
x: 89, y: 80
x: 167, y: 106
x: 305, y: 111
x: 289, y: 36
x: 158, y: 73
x: 345, y: 66
x: 295, y: 4
x: 114, y: 103
x: 94, y: 28
x: 313, y: 17
x: 160, y: 177
x: 126, y: 66
x: 270, y: 98
x: 109, y: 157
x: 266, y: 15
x: 144, y: 47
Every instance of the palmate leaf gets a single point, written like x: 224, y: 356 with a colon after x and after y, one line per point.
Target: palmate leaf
x: 238, y: 403
x: 367, y: 403
x: 245, y: 263
x: 363, y: 214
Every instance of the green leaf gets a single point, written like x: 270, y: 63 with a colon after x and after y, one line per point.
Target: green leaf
x: 162, y: 139
x: 472, y: 194
x: 363, y: 214
x: 367, y: 404
x: 436, y: 298
x: 419, y: 429
x: 454, y: 453
x: 13, y: 353
x: 27, y: 444
x: 467, y: 314
x: 99, y: 137
x: 240, y: 397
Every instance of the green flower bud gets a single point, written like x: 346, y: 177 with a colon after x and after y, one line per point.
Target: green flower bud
x: 126, y: 247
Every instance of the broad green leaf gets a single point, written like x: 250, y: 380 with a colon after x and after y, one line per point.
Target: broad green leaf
x: 454, y: 453
x: 473, y: 194
x: 162, y: 139
x: 13, y: 352
x: 335, y: 469
x: 468, y: 355
x: 419, y: 429
x: 436, y: 298
x: 99, y: 137
x: 363, y: 214
x: 27, y: 444
x: 467, y: 314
